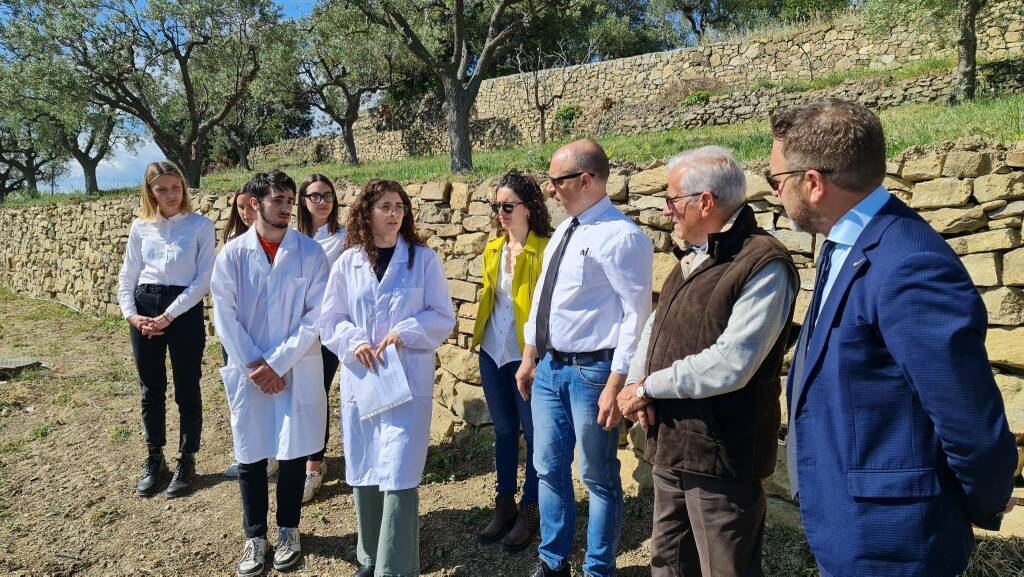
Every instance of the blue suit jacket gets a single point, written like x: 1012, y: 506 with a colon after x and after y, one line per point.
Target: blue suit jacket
x: 901, y: 436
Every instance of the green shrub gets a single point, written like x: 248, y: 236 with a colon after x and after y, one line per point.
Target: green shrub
x: 697, y: 98
x: 566, y: 115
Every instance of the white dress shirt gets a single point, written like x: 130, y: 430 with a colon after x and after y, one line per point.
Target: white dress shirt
x: 333, y: 244
x: 602, y: 296
x: 176, y: 251
x: 500, y: 339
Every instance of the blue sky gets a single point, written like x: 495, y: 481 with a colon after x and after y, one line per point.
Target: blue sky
x: 123, y: 167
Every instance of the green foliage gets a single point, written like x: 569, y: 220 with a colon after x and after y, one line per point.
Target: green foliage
x: 118, y: 434
x: 566, y: 115
x: 806, y: 10
x: 697, y: 98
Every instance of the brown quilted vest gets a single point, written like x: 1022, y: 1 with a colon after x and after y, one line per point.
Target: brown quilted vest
x: 730, y: 436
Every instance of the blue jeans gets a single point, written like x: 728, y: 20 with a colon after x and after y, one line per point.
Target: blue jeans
x: 565, y: 410
x: 509, y: 411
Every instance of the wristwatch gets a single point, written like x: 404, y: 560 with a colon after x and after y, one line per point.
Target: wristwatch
x: 641, y: 390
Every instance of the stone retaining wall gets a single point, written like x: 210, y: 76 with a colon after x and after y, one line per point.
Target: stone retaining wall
x: 654, y: 85
x: 973, y: 194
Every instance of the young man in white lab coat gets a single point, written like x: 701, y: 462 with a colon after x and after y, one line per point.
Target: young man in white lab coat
x: 267, y: 290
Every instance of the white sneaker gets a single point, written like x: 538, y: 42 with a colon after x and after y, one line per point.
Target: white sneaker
x: 313, y: 481
x: 232, y: 470
x: 288, y: 551
x: 253, y: 555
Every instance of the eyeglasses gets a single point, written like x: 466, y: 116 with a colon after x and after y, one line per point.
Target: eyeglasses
x: 318, y: 197
x: 557, y: 181
x: 399, y: 208
x: 775, y: 184
x: 671, y: 200
x: 507, y: 207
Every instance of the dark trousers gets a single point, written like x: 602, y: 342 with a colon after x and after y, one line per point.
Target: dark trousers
x: 252, y: 481
x: 330, y: 367
x: 185, y: 339
x: 706, y: 527
x: 510, y: 414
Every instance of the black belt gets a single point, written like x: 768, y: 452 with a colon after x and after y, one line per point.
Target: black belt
x: 581, y: 358
x: 160, y: 289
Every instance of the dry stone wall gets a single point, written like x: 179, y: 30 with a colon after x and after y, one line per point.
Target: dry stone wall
x: 644, y: 93
x: 972, y: 193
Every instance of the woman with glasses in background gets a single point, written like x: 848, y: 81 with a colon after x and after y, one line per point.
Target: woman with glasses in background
x: 387, y: 288
x: 318, y: 218
x: 512, y: 266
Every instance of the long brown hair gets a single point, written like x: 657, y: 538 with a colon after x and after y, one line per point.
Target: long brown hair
x: 236, y: 226
x: 306, y: 217
x: 358, y: 225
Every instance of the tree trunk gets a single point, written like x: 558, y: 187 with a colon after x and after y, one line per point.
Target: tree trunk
x: 242, y: 149
x: 457, y: 104
x: 89, y: 171
x: 966, y: 53
x: 31, y: 183
x: 543, y: 125
x: 192, y: 169
x: 349, y: 138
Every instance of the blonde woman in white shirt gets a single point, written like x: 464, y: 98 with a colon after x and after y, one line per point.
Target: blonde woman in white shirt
x: 318, y: 219
x: 165, y: 274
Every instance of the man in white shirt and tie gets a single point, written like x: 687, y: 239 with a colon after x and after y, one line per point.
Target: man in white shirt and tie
x: 584, y: 325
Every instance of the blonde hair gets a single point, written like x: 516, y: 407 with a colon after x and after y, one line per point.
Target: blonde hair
x: 150, y: 210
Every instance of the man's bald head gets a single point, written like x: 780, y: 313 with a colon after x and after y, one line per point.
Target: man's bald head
x: 587, y: 156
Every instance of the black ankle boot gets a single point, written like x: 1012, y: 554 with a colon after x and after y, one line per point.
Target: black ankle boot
x: 154, y: 473
x: 183, y: 475
x: 363, y: 572
x: 542, y: 570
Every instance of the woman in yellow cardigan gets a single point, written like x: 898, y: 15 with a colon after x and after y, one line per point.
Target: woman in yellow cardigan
x: 512, y: 265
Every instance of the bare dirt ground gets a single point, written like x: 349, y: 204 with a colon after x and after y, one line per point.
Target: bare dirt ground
x: 71, y: 448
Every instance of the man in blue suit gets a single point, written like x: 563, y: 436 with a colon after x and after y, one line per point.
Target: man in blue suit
x: 898, y: 440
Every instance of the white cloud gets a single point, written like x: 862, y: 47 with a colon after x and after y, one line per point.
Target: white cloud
x: 122, y: 168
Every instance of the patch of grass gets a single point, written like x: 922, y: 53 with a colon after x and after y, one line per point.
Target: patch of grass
x: 999, y: 118
x: 40, y: 432
x: 997, y: 558
x: 460, y: 457
x: 20, y: 200
x: 105, y: 515
x: 118, y: 434
x: 119, y: 373
x: 28, y: 375
x: 786, y: 553
x: 12, y: 445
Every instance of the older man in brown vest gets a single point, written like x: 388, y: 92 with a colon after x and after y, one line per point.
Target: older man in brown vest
x: 705, y: 378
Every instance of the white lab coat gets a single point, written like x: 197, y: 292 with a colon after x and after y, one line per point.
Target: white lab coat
x: 389, y: 450
x: 264, y: 311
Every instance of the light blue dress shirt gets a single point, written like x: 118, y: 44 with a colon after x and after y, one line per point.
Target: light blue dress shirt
x: 846, y: 231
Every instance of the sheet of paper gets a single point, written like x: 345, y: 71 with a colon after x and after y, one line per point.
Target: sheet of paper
x: 379, y: 391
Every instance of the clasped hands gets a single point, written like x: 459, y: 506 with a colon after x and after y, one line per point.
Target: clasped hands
x: 265, y: 378
x: 369, y: 356
x: 636, y: 409
x: 151, y: 326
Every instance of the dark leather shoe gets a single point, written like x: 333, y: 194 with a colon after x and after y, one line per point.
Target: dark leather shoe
x: 363, y: 572
x: 542, y: 570
x: 154, y: 473
x: 183, y: 476
x: 505, y: 513
x: 526, y: 527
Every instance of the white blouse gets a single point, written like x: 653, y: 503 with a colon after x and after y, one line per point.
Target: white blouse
x: 333, y: 244
x: 500, y: 340
x: 176, y: 251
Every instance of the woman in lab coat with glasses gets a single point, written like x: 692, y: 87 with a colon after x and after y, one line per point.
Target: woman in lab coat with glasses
x: 387, y: 288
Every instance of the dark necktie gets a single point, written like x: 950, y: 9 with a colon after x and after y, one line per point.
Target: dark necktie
x: 820, y: 280
x: 544, y: 306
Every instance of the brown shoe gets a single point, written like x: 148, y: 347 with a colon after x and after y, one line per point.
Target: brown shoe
x: 526, y: 527
x: 504, y: 518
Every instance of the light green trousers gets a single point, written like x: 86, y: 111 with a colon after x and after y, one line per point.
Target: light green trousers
x: 388, y: 530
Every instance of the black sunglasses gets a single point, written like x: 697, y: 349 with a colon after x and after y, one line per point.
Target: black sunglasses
x: 318, y: 197
x: 775, y: 184
x: 507, y: 207
x: 558, y: 180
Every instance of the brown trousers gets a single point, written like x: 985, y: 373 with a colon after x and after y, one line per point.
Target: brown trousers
x: 706, y: 527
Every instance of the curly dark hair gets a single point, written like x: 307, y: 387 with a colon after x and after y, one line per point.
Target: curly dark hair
x: 529, y: 192
x: 358, y: 224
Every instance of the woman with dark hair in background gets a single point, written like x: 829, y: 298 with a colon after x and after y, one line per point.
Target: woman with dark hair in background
x: 165, y: 274
x: 387, y: 288
x: 318, y: 218
x: 512, y: 265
